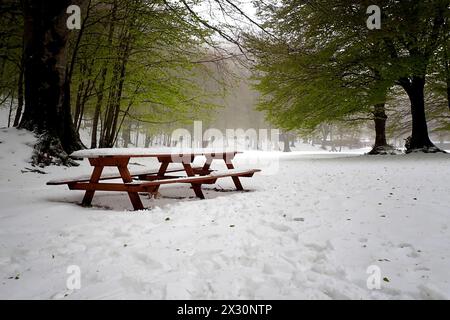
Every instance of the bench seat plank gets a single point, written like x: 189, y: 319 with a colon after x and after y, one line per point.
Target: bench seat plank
x: 110, y: 176
x: 146, y: 186
x: 207, y: 179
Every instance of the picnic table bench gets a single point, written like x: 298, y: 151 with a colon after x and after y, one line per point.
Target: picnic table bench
x: 149, y: 181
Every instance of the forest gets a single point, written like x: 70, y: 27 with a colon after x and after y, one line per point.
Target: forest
x: 152, y: 66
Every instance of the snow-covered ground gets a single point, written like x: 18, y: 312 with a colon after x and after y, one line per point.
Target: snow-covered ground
x: 308, y: 227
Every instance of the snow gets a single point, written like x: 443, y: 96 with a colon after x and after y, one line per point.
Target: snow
x: 307, y: 228
x: 234, y: 172
x: 92, y: 153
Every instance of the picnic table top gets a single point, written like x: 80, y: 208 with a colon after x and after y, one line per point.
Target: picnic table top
x: 149, y: 152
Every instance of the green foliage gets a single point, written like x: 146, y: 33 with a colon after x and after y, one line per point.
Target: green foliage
x: 315, y: 68
x: 158, y: 86
x: 318, y: 62
x: 10, y: 47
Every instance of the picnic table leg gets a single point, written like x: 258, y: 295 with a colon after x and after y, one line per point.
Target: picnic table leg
x: 162, y: 169
x: 161, y: 173
x: 195, y: 186
x: 236, y: 180
x: 134, y: 196
x: 95, y: 177
x: 206, y: 166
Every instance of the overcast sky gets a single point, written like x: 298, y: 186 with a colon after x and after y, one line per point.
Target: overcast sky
x: 210, y: 11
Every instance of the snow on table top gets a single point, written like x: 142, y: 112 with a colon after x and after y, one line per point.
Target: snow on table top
x: 145, y: 152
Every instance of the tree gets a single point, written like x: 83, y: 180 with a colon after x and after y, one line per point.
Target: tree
x: 11, y: 58
x: 137, y: 62
x: 412, y: 35
x: 47, y: 94
x: 321, y: 62
x: 132, y: 60
x: 312, y: 68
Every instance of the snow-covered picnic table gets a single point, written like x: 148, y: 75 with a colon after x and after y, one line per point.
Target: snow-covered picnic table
x: 149, y: 181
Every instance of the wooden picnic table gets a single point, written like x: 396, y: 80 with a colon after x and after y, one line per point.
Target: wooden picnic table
x: 149, y: 181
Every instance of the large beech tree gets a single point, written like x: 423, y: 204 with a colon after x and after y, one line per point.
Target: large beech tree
x: 47, y: 93
x: 413, y: 33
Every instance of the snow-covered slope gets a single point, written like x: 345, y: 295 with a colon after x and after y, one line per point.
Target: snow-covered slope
x: 310, y: 229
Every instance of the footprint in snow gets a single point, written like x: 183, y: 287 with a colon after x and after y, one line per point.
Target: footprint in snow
x: 149, y: 262
x: 276, y: 226
x: 319, y: 248
x: 421, y: 269
x: 413, y: 253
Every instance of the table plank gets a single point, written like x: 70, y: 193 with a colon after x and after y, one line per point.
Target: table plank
x: 112, y: 175
x: 150, y: 152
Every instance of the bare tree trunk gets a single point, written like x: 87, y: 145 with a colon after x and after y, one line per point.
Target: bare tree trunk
x: 333, y: 147
x: 101, y: 88
x: 285, y: 137
x: 19, y: 93
x: 115, y: 97
x: 447, y: 77
x: 79, y: 94
x: 77, y: 42
x: 381, y: 146
x: 83, y: 104
x: 10, y: 109
x: 447, y: 64
x: 136, y: 141
x: 83, y: 99
x: 148, y: 139
x: 117, y: 101
x: 126, y: 134
x: 96, y: 117
x: 380, y: 118
x: 325, y: 128
x: 419, y: 139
